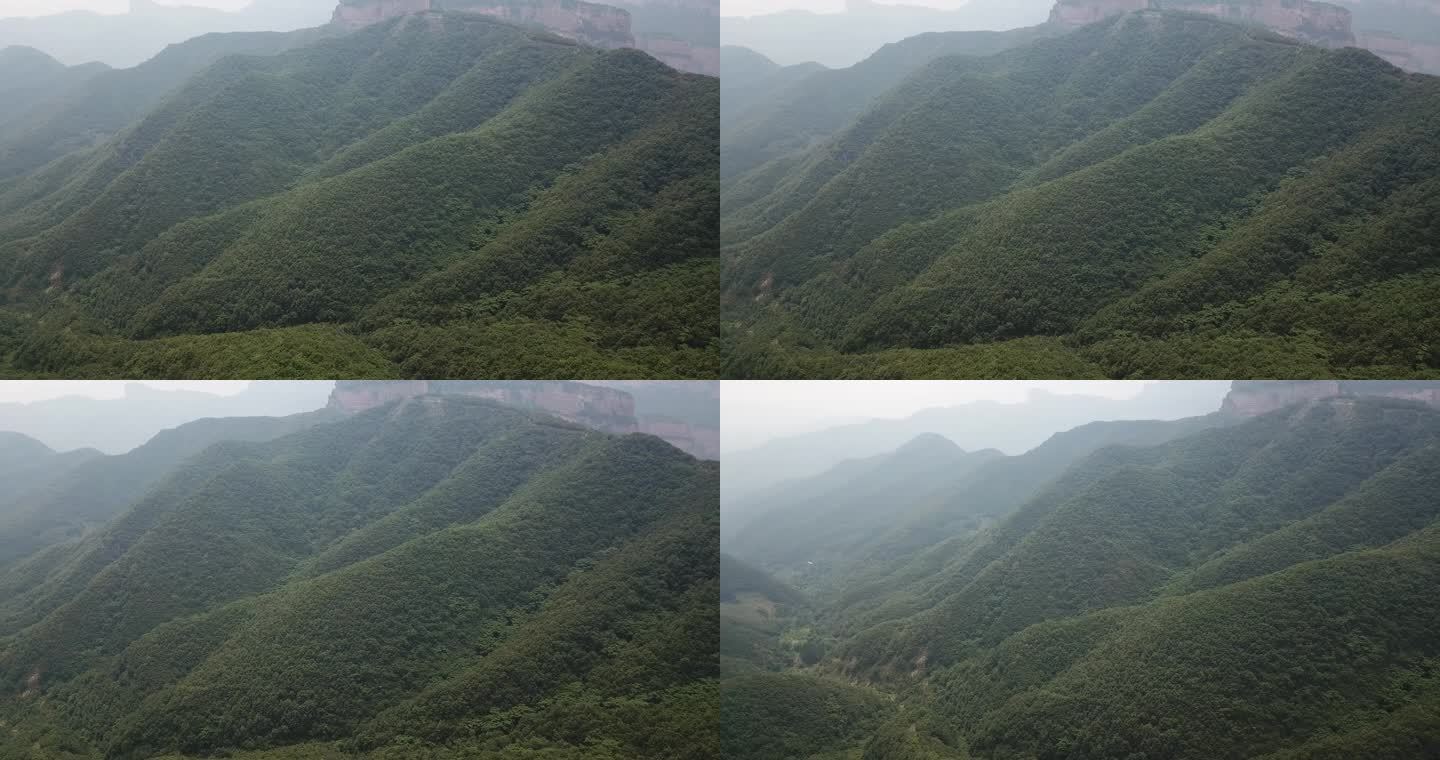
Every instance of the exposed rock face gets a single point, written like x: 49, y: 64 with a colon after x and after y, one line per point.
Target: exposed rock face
x: 594, y: 407
x: 1251, y: 398
x: 358, y: 396
x: 356, y: 15
x: 590, y: 23
x: 1076, y: 13
x: 598, y: 408
x: 1315, y: 22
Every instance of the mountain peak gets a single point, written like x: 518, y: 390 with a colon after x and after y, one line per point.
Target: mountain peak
x: 929, y: 444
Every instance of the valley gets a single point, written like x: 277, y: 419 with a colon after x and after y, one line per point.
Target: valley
x: 1253, y: 582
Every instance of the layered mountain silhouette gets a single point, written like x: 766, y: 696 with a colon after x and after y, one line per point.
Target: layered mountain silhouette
x: 127, y: 39
x: 1253, y: 583
x: 421, y: 196
x: 844, y: 39
x: 440, y: 574
x: 1159, y: 194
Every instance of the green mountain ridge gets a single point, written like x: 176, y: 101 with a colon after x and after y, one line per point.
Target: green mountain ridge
x: 404, y: 200
x: 1258, y: 588
x: 440, y: 575
x: 1156, y: 195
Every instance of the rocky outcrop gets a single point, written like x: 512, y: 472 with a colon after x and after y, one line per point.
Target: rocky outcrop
x: 589, y: 23
x: 603, y: 409
x: 1315, y: 22
x: 596, y: 407
x: 1249, y: 398
x: 353, y: 14
x: 357, y: 396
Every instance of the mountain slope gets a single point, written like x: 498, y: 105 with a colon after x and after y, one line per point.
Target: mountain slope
x: 441, y: 569
x: 93, y: 489
x: 550, y: 190
x: 1125, y: 200
x: 1256, y: 589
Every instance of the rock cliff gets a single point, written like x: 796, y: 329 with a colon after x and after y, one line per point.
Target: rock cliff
x: 1315, y: 22
x: 589, y: 23
x: 1248, y: 398
x: 598, y: 408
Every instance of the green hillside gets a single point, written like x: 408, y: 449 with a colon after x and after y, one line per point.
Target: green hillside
x: 440, y: 195
x: 1261, y: 588
x: 439, y: 577
x: 1157, y: 195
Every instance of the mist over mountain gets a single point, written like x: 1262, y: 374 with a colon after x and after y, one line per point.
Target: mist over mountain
x: 126, y: 39
x: 390, y: 195
x: 1084, y: 597
x: 1010, y: 428
x: 838, y: 40
x: 1110, y: 194
x: 115, y: 426
x: 438, y: 573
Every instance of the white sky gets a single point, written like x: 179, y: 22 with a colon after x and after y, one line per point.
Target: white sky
x: 12, y: 8
x: 762, y: 7
x: 753, y: 411
x: 25, y: 391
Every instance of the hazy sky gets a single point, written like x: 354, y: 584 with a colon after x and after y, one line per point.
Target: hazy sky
x: 12, y: 8
x: 755, y: 411
x: 761, y: 7
x: 24, y: 391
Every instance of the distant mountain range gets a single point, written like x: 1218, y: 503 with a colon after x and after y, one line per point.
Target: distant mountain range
x: 115, y: 426
x: 1011, y: 428
x: 127, y: 39
x: 838, y: 40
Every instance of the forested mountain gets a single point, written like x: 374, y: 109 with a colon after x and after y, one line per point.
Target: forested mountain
x: 63, y: 497
x: 440, y: 194
x: 1228, y: 586
x: 436, y: 577
x: 1158, y: 194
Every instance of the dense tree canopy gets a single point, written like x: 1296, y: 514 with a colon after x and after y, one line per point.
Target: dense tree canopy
x: 440, y: 195
x: 1158, y: 195
x: 1217, y: 587
x: 438, y: 577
